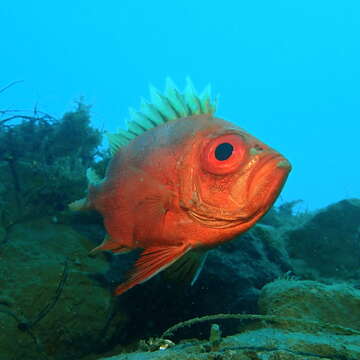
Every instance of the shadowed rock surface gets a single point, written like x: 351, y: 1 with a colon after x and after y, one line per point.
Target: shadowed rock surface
x: 311, y: 321
x: 35, y: 325
x: 328, y: 245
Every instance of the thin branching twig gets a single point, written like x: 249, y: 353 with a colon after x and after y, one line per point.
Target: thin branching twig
x: 26, y: 325
x: 10, y: 85
x: 274, y: 318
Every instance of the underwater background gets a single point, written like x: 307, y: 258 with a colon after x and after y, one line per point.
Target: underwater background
x: 285, y: 71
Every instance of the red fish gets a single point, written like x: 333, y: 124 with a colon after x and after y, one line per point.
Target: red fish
x: 181, y: 182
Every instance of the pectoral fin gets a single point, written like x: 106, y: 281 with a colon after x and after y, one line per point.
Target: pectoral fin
x: 188, y: 267
x: 79, y: 205
x: 151, y: 262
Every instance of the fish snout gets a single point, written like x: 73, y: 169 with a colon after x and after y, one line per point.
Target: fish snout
x: 284, y: 164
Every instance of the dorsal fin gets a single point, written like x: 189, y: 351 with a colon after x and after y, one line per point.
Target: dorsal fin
x: 171, y: 105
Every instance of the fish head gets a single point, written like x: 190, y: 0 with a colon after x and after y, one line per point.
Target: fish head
x: 230, y: 178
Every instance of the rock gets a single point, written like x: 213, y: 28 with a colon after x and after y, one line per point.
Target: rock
x: 323, y: 326
x: 242, y: 267
x: 310, y: 300
x: 328, y: 245
x: 2, y: 234
x: 32, y: 266
x: 262, y: 344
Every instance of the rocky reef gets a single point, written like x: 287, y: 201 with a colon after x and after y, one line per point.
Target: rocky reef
x: 287, y: 289
x: 56, y: 302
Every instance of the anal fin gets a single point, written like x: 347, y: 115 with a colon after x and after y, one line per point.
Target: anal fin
x: 151, y: 261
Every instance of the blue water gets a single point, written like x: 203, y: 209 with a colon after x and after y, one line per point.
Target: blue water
x: 286, y: 71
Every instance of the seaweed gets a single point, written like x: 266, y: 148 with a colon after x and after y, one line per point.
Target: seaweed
x: 43, y: 161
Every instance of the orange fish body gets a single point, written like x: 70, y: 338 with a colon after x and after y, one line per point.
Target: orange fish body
x: 180, y: 187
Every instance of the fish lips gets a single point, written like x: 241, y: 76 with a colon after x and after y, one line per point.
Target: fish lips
x: 267, y: 179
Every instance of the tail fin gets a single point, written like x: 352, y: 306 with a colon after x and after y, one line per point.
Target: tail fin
x: 93, y: 181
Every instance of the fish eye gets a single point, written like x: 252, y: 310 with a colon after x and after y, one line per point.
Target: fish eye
x: 223, y: 151
x: 224, y: 154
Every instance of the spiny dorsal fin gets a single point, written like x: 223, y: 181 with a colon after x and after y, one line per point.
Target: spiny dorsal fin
x: 171, y: 105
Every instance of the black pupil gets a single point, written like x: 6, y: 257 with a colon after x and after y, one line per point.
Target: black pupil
x: 223, y: 151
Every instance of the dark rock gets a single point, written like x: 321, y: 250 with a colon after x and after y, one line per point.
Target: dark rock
x: 32, y: 266
x: 230, y: 281
x: 335, y: 304
x: 328, y: 245
x: 323, y: 326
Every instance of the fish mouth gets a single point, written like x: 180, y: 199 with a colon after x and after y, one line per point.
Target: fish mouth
x: 268, y: 178
x: 217, y: 222
x: 265, y: 184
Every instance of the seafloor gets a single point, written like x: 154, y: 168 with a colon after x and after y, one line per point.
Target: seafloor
x: 298, y: 275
